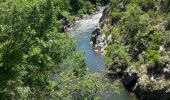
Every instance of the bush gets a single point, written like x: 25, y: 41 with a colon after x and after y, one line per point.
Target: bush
x: 168, y: 22
x: 146, y: 4
x: 132, y: 20
x: 116, y: 36
x: 115, y: 3
x: 115, y: 16
x: 167, y: 5
x: 157, y: 39
x: 116, y: 57
x: 153, y: 56
x: 155, y: 62
x: 89, y: 7
x: 81, y: 12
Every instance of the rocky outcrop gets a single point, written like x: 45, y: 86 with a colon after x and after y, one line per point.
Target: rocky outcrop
x: 105, y: 14
x: 161, y: 94
x: 146, y: 87
x: 95, y: 34
x: 129, y: 80
x: 67, y: 24
x: 166, y: 70
x: 99, y: 40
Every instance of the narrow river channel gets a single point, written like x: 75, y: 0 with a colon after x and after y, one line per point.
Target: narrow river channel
x: 81, y: 32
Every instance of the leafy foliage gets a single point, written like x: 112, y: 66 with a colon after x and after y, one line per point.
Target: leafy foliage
x: 34, y: 48
x: 153, y: 55
x: 116, y: 57
x: 138, y: 25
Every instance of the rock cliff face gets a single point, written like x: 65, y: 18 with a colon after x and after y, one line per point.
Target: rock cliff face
x: 99, y: 40
x: 146, y: 87
x: 131, y: 82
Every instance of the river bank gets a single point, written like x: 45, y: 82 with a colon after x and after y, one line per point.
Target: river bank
x: 82, y: 32
x: 147, y: 85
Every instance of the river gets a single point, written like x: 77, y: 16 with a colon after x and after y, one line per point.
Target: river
x: 81, y: 32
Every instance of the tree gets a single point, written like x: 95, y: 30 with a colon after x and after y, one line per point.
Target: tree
x: 75, y: 4
x: 33, y: 50
x: 132, y: 19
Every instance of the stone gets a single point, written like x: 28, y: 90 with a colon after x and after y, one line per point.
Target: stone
x: 129, y: 80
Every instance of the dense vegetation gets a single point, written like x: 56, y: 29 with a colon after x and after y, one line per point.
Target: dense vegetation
x: 37, y: 58
x: 139, y: 31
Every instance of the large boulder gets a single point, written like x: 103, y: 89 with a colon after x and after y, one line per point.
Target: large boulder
x: 166, y: 71
x: 129, y: 80
x: 95, y: 34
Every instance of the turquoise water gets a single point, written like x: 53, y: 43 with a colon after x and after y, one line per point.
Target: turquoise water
x: 81, y: 32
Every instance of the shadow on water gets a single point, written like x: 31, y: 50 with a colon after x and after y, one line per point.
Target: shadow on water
x: 81, y: 32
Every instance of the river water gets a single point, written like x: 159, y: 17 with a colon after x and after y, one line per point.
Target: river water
x: 81, y: 32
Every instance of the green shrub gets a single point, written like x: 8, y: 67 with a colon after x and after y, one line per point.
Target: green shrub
x: 115, y: 3
x: 153, y: 56
x: 168, y: 22
x: 132, y: 20
x: 146, y: 4
x: 116, y: 57
x: 115, y: 16
x: 89, y: 7
x: 155, y: 62
x: 157, y: 39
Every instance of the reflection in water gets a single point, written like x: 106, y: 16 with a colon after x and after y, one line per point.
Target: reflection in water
x: 81, y: 32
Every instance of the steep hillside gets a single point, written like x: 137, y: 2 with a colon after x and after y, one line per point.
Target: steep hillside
x: 134, y: 37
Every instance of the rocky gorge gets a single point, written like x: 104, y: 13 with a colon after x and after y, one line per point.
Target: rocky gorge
x: 99, y: 39
x: 81, y: 31
x: 149, y: 81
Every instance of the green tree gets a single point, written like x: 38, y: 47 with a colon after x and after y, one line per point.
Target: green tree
x: 33, y: 49
x: 132, y: 19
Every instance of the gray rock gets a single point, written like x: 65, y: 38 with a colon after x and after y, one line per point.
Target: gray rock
x: 130, y: 81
